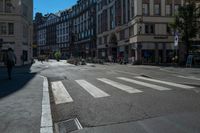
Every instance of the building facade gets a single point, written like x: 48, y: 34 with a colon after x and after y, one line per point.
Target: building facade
x: 72, y: 31
x: 16, y: 28
x: 46, y: 35
x: 84, y: 29
x: 136, y: 29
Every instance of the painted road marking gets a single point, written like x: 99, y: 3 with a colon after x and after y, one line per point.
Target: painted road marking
x: 46, y: 117
x: 188, y: 77
x: 167, y: 83
x: 156, y: 87
x: 60, y: 93
x: 94, y: 91
x: 119, y: 86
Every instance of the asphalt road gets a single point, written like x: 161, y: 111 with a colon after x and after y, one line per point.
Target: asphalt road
x: 105, y: 101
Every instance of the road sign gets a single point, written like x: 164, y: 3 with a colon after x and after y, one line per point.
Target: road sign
x: 176, y: 39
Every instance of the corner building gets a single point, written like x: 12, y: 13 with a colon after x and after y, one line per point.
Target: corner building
x: 136, y: 29
x: 16, y: 28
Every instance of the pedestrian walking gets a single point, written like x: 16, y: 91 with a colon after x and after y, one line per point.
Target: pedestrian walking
x: 9, y: 61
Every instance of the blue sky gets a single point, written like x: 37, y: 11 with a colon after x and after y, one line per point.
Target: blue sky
x: 52, y: 6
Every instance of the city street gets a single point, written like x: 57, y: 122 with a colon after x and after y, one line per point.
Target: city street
x: 109, y: 98
x: 125, y: 98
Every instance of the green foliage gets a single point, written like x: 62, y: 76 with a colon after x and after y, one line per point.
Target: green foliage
x: 57, y: 55
x: 186, y: 22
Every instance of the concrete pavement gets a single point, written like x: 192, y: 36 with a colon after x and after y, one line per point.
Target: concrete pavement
x: 21, y: 100
x: 107, y: 98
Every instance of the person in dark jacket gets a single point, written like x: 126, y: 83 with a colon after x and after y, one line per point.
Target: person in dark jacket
x: 9, y: 61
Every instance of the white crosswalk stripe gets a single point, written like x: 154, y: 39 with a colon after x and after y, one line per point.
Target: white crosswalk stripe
x: 60, y: 93
x: 120, y: 86
x: 156, y: 87
x: 94, y: 91
x: 188, y: 77
x: 167, y: 83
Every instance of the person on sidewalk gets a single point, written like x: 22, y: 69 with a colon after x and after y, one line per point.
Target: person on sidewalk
x: 9, y: 61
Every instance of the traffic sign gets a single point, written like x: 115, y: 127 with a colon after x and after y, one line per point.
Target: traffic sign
x: 176, y: 39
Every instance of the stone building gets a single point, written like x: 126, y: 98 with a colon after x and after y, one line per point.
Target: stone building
x: 136, y: 29
x: 16, y: 28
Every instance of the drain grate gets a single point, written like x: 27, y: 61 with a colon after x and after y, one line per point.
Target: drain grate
x: 68, y: 126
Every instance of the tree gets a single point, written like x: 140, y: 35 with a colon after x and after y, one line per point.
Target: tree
x: 57, y: 55
x: 187, y: 24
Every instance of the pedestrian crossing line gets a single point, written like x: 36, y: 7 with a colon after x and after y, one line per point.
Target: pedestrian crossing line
x: 167, y: 83
x: 189, y: 77
x: 93, y: 90
x: 60, y: 93
x: 119, y: 85
x: 156, y: 87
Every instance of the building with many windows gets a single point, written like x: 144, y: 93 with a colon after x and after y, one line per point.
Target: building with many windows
x: 136, y: 29
x: 84, y: 28
x: 72, y: 31
x: 16, y: 28
x: 53, y: 34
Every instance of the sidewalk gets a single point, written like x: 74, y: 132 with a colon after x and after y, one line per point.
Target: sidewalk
x: 175, y: 123
x: 20, y: 101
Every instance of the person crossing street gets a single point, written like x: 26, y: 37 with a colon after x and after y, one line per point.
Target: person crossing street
x: 9, y: 61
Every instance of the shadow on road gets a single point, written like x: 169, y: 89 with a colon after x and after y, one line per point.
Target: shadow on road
x: 20, y: 77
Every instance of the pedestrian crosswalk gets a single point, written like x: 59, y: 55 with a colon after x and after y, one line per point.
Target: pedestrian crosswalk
x: 167, y: 83
x: 61, y: 95
x: 120, y: 86
x: 93, y: 90
x: 145, y: 84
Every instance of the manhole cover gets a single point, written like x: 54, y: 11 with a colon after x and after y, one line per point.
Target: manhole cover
x: 68, y: 126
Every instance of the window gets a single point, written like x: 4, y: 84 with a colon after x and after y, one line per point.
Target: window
x: 25, y: 10
x: 10, y: 28
x: 176, y: 7
x: 131, y: 31
x: 157, y: 9
x: 8, y: 6
x: 169, y: 31
x: 168, y: 10
x: 149, y: 28
x: 1, y: 5
x: 100, y: 40
x: 3, y: 28
x: 25, y: 55
x: 105, y: 39
x: 145, y: 9
x: 25, y: 31
x: 122, y: 35
x: 132, y: 9
x: 112, y: 17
